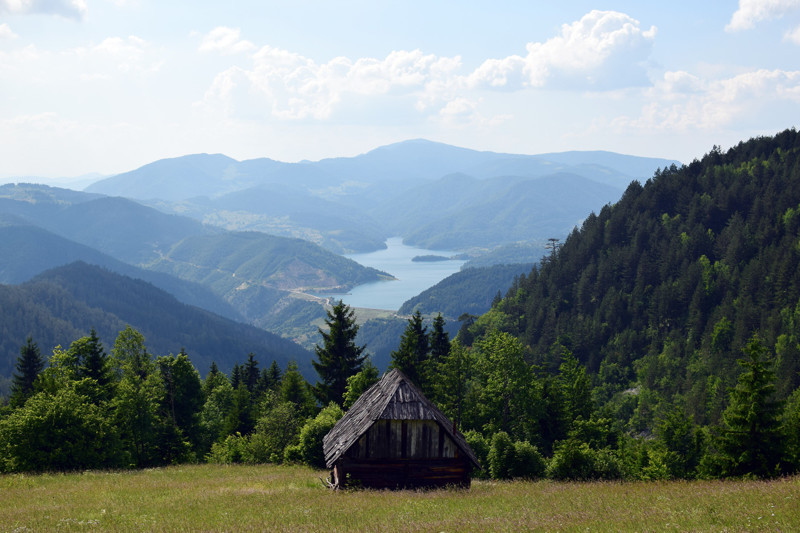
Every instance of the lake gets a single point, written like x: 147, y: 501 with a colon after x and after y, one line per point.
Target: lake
x: 412, y: 277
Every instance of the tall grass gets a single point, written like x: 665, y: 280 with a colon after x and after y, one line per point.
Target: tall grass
x: 285, y: 498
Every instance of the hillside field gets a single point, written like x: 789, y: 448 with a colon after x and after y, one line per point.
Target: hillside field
x: 290, y: 498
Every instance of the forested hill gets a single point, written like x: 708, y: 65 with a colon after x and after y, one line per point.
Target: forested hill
x: 65, y: 303
x: 663, y: 289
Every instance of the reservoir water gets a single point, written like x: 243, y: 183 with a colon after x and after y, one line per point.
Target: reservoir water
x: 413, y: 277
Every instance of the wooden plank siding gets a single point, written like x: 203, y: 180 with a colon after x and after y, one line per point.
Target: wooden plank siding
x: 394, y: 437
x: 413, y: 439
x: 402, y: 473
x: 403, y: 453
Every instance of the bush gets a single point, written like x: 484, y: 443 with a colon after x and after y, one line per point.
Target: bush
x: 229, y: 451
x: 309, y: 449
x: 578, y: 461
x: 480, y: 447
x: 528, y: 462
x: 501, y: 456
x: 60, y: 431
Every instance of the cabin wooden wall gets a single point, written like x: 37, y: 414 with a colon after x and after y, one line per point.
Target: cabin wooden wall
x: 403, y: 453
x: 402, y: 473
x: 417, y: 439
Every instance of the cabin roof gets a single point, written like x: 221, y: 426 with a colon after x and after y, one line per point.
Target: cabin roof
x: 394, y: 397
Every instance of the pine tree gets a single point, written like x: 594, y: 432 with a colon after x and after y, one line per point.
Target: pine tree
x: 250, y: 373
x: 29, y: 366
x: 750, y: 442
x: 338, y: 357
x: 94, y: 363
x: 412, y: 355
x: 236, y: 376
x: 295, y: 389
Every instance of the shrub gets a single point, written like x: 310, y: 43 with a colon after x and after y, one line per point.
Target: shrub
x: 575, y: 460
x: 528, y: 462
x: 309, y: 449
x: 480, y: 447
x: 501, y: 456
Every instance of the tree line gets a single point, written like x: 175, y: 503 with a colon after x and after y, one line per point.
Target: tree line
x: 87, y: 408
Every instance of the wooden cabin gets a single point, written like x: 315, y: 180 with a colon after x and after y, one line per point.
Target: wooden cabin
x: 394, y: 437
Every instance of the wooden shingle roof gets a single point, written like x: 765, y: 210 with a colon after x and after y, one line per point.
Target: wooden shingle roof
x: 394, y: 397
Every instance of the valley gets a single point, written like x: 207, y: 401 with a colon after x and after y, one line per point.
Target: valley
x: 260, y: 241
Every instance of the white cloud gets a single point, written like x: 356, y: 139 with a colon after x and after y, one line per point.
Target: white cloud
x: 793, y: 36
x: 682, y: 102
x: 6, y: 33
x: 225, y: 40
x: 602, y: 50
x: 752, y: 11
x: 76, y: 9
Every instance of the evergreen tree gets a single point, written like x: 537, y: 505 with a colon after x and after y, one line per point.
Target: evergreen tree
x: 236, y: 376
x: 295, y: 389
x: 250, y: 373
x: 338, y: 357
x: 439, y: 348
x: 412, y: 355
x: 29, y: 365
x: 94, y: 363
x: 273, y: 376
x: 183, y: 394
x: 577, y: 388
x: 212, y: 379
x: 751, y: 435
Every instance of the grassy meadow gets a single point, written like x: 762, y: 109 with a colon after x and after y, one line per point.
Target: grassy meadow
x: 289, y: 498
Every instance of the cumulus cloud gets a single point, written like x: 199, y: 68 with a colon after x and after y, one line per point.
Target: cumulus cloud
x: 225, y: 40
x: 297, y: 87
x: 6, y: 33
x: 602, y: 50
x: 793, y: 36
x: 752, y: 11
x: 66, y: 8
x: 682, y: 101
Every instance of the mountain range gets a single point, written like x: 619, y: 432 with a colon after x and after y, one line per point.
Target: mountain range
x: 424, y: 191
x: 249, y: 240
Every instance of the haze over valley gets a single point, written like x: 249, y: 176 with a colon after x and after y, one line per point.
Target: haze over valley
x: 259, y: 241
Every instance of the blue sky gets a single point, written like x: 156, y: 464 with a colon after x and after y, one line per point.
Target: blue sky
x: 109, y: 85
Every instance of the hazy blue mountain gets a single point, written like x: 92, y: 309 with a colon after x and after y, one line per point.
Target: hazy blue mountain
x: 471, y: 291
x: 528, y: 252
x: 508, y: 210
x: 27, y: 250
x: 409, y: 161
x: 352, y: 204
x: 63, y: 304
x: 177, y: 253
x: 287, y: 212
x: 171, y: 179
x: 119, y: 227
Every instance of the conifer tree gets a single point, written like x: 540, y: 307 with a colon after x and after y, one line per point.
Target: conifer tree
x: 750, y: 442
x: 412, y: 355
x: 250, y: 373
x: 29, y: 366
x: 295, y: 389
x: 94, y: 363
x: 339, y: 357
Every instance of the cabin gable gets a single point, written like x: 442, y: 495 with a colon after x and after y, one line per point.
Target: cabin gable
x: 394, y: 437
